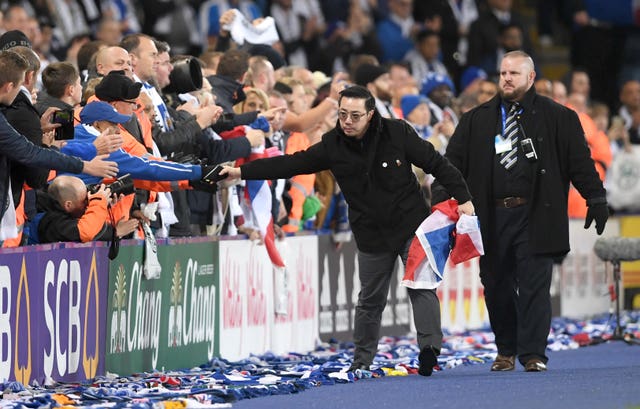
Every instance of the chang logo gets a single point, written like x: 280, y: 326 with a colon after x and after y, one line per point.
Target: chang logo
x: 23, y: 373
x: 90, y: 363
x: 119, y: 314
x: 175, y: 311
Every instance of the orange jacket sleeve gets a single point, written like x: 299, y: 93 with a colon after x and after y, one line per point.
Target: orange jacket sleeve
x: 92, y: 221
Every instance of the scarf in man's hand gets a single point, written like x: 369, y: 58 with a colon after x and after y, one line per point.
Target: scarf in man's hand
x: 441, y: 235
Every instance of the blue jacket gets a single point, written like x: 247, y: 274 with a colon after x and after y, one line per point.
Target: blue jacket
x: 137, y: 167
x: 15, y: 147
x: 394, y: 44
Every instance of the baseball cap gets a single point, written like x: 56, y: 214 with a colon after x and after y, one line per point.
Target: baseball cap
x: 101, y: 111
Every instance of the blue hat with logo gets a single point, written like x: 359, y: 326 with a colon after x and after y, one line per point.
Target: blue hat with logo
x: 471, y: 74
x: 432, y: 80
x: 101, y: 111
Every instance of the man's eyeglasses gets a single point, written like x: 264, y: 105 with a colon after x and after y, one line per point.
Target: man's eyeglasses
x: 134, y: 104
x: 355, y: 116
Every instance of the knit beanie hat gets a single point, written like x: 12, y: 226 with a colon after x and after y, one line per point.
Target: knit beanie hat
x: 410, y: 102
x: 13, y: 38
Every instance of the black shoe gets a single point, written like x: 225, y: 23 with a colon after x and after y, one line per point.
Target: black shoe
x: 358, y: 365
x: 535, y: 365
x: 427, y: 360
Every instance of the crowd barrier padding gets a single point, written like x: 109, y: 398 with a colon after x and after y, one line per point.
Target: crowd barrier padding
x: 169, y: 322
x: 69, y: 314
x: 53, y: 301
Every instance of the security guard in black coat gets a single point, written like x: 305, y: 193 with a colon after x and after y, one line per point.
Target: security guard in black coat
x: 518, y: 164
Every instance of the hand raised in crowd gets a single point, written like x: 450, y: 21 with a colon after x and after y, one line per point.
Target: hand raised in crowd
x: 100, y: 167
x: 444, y: 127
x: 255, y: 137
x: 45, y: 120
x: 209, y: 115
x: 618, y: 132
x: 108, y: 141
x: 226, y: 19
x: 338, y: 83
x: 270, y: 114
x: 124, y: 227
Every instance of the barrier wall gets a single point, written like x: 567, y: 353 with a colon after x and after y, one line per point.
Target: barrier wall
x: 248, y: 324
x: 53, y: 301
x: 69, y: 314
x: 168, y: 322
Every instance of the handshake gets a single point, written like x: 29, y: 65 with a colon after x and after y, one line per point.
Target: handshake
x: 208, y: 181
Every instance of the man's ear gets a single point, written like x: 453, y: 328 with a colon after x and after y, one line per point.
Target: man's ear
x: 29, y: 77
x: 134, y: 60
x: 7, y: 87
x: 68, y: 90
x: 67, y: 205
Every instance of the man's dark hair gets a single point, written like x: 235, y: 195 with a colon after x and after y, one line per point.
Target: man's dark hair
x: 359, y: 92
x: 282, y: 88
x: 57, y: 76
x: 162, y: 46
x: 404, y: 64
x: 87, y: 51
x: 29, y: 55
x: 233, y: 64
x: 132, y: 41
x: 424, y: 34
x: 12, y: 67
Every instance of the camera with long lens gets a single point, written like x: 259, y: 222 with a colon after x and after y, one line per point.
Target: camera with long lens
x: 122, y: 185
x: 186, y: 76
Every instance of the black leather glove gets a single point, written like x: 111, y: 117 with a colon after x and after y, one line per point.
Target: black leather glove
x: 202, y: 186
x: 598, y: 212
x: 207, y: 182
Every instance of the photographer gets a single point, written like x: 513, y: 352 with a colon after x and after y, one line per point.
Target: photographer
x: 71, y: 213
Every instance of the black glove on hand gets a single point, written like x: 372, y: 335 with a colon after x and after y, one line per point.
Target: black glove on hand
x: 202, y: 186
x: 598, y: 212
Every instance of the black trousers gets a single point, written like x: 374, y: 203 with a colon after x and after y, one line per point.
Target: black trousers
x: 516, y: 289
x: 375, y: 272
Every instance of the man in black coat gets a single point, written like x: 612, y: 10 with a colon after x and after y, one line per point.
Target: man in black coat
x: 371, y: 159
x: 520, y: 182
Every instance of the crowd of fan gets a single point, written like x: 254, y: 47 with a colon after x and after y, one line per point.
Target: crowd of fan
x: 165, y: 107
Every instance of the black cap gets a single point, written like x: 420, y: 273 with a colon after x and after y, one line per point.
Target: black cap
x: 13, y: 38
x: 366, y: 73
x: 116, y: 86
x: 269, y: 53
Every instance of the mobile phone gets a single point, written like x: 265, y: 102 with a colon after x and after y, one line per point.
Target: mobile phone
x: 64, y: 117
